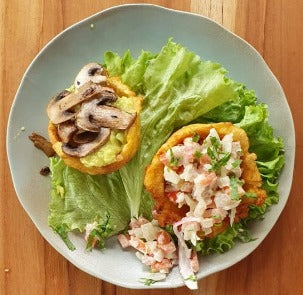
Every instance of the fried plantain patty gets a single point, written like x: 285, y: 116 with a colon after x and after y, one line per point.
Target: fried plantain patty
x: 167, y: 212
x: 129, y: 148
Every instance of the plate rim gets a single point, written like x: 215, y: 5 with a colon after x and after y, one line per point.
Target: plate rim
x: 153, y: 6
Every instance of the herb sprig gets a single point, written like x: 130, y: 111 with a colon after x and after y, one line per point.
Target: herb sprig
x: 214, y: 152
x: 100, y: 232
x: 173, y: 160
x: 191, y: 278
x: 236, y: 163
x: 147, y: 282
x: 196, y: 137
x: 234, y: 188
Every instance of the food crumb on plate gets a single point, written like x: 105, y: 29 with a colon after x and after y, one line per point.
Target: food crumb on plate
x: 45, y: 171
x: 22, y: 129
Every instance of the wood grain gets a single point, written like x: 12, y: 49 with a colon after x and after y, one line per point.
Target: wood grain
x: 273, y: 27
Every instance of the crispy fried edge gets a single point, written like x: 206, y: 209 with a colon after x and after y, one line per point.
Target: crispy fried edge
x: 154, y: 179
x: 128, y: 150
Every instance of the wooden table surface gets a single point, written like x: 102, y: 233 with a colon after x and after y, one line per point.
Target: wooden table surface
x: 29, y: 265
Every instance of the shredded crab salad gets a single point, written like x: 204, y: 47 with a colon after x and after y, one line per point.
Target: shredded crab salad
x: 205, y: 176
x: 155, y: 247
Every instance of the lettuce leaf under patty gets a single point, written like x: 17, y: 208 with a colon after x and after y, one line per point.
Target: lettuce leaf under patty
x: 78, y: 199
x: 246, y: 113
x: 177, y: 88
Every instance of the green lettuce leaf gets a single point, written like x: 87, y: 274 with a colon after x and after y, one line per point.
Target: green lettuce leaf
x: 178, y: 88
x: 232, y: 111
x: 131, y: 71
x: 253, y: 118
x: 260, y: 133
x: 271, y: 169
x: 116, y: 65
x: 223, y: 241
x: 85, y: 199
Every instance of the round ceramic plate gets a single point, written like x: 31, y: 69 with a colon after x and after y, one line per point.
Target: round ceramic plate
x: 133, y: 27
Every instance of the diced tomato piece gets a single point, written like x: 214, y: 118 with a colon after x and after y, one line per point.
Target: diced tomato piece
x: 172, y: 196
x: 209, y: 178
x: 123, y: 240
x: 137, y: 244
x: 180, y: 169
x: 168, y: 248
x: 163, y: 237
x: 205, y: 159
x: 164, y: 265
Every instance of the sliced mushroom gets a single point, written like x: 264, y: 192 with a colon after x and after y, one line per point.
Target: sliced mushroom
x: 43, y: 144
x: 92, y: 116
x: 66, y: 130
x: 84, y: 136
x: 85, y: 149
x: 108, y: 95
x: 91, y: 72
x: 60, y: 107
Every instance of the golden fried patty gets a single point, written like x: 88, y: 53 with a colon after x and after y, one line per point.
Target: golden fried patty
x: 167, y: 212
x: 132, y: 136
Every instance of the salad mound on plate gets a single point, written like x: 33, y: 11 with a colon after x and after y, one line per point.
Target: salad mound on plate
x: 95, y: 125
x: 178, y: 89
x: 155, y: 247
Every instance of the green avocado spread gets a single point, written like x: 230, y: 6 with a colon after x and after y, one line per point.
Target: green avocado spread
x: 107, y: 153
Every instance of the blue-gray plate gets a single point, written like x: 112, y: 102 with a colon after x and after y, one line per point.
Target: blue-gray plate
x: 133, y: 27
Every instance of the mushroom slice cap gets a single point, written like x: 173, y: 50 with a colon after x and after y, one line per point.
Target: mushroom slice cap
x: 60, y: 107
x: 91, y: 72
x: 108, y: 95
x: 85, y: 149
x: 83, y: 136
x: 66, y: 130
x: 92, y: 116
x: 111, y: 117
